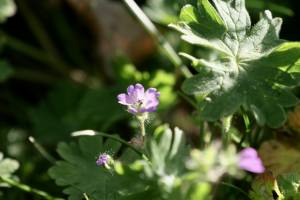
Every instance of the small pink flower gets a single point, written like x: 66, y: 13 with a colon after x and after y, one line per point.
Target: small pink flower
x: 138, y: 100
x: 250, y: 161
x: 102, y: 159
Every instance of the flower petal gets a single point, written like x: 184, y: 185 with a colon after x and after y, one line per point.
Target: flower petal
x: 130, y: 89
x: 151, y: 100
x: 132, y: 110
x: 249, y: 161
x: 139, y: 92
x: 124, y: 99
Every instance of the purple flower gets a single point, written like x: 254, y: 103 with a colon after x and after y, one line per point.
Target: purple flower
x: 249, y: 161
x: 102, y: 159
x: 138, y: 100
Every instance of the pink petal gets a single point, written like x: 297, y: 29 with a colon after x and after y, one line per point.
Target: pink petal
x: 250, y: 161
x: 151, y: 99
x: 139, y: 92
x: 124, y: 99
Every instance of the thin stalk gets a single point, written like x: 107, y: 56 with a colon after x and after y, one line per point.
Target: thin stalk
x: 189, y: 100
x: 86, y: 196
x: 42, y: 150
x: 26, y: 49
x: 39, y: 31
x: 257, y: 133
x: 226, y: 124
x: 163, y: 44
x: 34, y: 53
x: 247, y: 127
x: 142, y: 127
x: 37, y: 28
x: 236, y: 188
x: 34, y: 76
x: 27, y: 188
x: 202, y: 134
x: 92, y: 133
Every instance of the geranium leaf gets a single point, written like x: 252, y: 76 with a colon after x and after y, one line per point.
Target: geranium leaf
x: 253, y: 68
x: 79, y: 173
x: 289, y: 184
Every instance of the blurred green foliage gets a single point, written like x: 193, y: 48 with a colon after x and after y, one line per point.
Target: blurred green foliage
x: 53, y: 82
x: 7, y: 9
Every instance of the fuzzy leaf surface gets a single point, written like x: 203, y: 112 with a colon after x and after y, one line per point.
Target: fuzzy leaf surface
x: 253, y: 67
x: 78, y: 172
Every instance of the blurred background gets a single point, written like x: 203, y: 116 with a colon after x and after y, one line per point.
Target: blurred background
x: 62, y: 63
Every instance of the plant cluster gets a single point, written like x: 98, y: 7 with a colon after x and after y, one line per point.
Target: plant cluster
x: 239, y: 109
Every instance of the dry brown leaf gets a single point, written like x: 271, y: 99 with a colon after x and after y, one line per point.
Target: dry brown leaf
x: 116, y: 30
x: 279, y: 157
x: 294, y: 119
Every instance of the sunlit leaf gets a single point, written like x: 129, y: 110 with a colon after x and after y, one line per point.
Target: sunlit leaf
x: 253, y: 65
x: 289, y: 185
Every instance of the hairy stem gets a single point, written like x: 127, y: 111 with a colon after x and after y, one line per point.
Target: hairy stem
x: 226, y: 124
x: 163, y: 44
x: 27, y: 188
x: 42, y: 150
x: 92, y: 133
x: 236, y: 188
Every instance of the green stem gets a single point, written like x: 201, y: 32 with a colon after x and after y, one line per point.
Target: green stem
x: 26, y: 49
x: 159, y: 38
x: 81, y: 133
x: 27, y: 188
x: 34, y: 53
x: 236, y: 188
x: 201, y: 135
x: 142, y: 127
x: 226, y: 124
x: 37, y: 28
x: 86, y: 196
x: 39, y: 31
x: 42, y: 150
x: 189, y: 100
x: 34, y: 76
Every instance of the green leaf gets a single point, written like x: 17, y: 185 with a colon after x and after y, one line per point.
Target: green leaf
x: 252, y: 67
x: 6, y: 70
x: 265, y: 187
x: 71, y: 107
x: 284, y: 187
x: 167, y: 153
x: 79, y: 172
x: 165, y: 11
x: 201, y: 191
x: 7, y: 9
x: 289, y: 185
x: 155, y: 178
x: 7, y: 167
x: 159, y: 177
